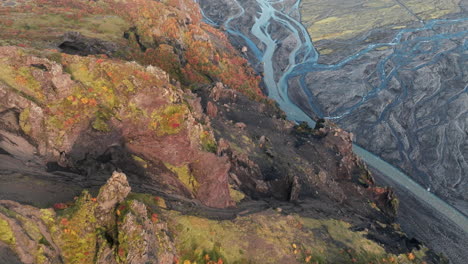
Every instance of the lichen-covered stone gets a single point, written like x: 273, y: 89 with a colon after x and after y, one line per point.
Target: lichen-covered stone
x: 112, y: 193
x: 27, y: 235
x: 137, y: 236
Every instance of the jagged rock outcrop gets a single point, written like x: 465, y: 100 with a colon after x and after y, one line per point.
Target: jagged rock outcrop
x: 142, y: 229
x: 110, y: 228
x: 26, y: 234
x: 112, y: 193
x: 73, y: 126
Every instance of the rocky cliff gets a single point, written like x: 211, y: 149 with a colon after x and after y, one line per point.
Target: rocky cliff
x: 148, y: 93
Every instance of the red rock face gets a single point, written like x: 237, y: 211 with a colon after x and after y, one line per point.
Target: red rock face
x: 75, y: 107
x: 342, y: 142
x: 152, y: 121
x: 210, y: 171
x: 211, y: 109
x: 212, y: 174
x: 173, y: 149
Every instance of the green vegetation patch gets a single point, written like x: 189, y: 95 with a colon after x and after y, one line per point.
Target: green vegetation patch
x: 6, y: 234
x: 21, y: 81
x: 77, y: 234
x: 168, y: 120
x: 132, y: 239
x: 196, y: 237
x: 236, y: 195
x: 208, y: 143
x: 37, y: 27
x: 140, y: 161
x: 24, y: 122
x: 332, y: 19
x: 185, y: 176
x: 271, y: 237
x: 28, y: 226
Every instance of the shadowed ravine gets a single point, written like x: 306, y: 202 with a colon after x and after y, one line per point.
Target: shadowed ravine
x: 251, y: 23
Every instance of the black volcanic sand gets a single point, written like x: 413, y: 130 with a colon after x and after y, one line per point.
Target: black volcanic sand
x: 418, y: 220
x: 418, y: 121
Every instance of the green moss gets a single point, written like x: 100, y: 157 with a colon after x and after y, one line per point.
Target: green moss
x: 208, y: 143
x: 395, y: 204
x: 152, y: 202
x: 7, y: 73
x: 8, y: 212
x: 100, y: 122
x: 77, y: 237
x: 93, y: 99
x: 357, y: 248
x: 31, y: 228
x: 106, y: 27
x: 80, y: 72
x: 140, y: 161
x: 134, y: 112
x: 48, y: 217
x: 21, y: 81
x: 132, y: 239
x: 44, y: 26
x: 269, y: 237
x: 130, y: 86
x: 100, y: 125
x: 6, y: 234
x: 56, y: 57
x: 206, y: 256
x: 44, y: 241
x: 236, y: 195
x: 168, y: 120
x: 55, y: 122
x: 196, y: 236
x: 24, y: 121
x: 30, y: 81
x: 41, y: 255
x: 185, y: 176
x: 27, y: 84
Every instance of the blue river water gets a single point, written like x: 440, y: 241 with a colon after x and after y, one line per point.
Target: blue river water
x: 304, y: 59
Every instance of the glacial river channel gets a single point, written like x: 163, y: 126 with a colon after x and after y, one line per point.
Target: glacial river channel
x: 304, y: 59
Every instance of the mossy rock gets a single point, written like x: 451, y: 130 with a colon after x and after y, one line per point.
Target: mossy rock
x: 6, y: 234
x: 185, y: 176
x: 78, y: 228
